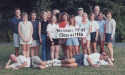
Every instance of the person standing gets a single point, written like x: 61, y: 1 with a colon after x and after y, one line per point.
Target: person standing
x: 35, y: 44
x: 86, y: 40
x: 94, y: 32
x: 43, y: 37
x: 72, y: 43
x: 97, y: 10
x: 14, y: 28
x: 25, y: 31
x: 48, y: 14
x: 64, y: 21
x: 54, y: 41
x: 101, y: 35
x: 110, y: 31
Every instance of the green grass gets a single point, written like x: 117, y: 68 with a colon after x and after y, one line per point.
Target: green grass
x: 117, y: 69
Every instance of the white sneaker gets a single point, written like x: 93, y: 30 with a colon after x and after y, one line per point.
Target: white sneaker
x: 50, y: 62
x: 55, y: 64
x: 55, y: 60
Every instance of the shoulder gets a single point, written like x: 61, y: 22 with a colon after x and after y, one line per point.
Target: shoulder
x: 113, y: 20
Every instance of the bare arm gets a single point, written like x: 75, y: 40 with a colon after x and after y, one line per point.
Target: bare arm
x: 89, y: 60
x: 96, y: 35
x: 50, y: 37
x: 39, y: 31
x: 31, y: 27
x: 90, y: 28
x: 110, y: 62
x: 7, y: 65
x: 24, y: 64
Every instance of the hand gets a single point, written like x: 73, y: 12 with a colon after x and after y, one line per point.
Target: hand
x: 96, y: 65
x: 52, y: 43
x: 40, y: 40
x: 96, y: 38
x: 25, y: 40
x: 10, y: 60
x: 15, y: 68
x: 84, y: 38
x: 32, y: 39
x: 111, y: 38
x: 103, y: 40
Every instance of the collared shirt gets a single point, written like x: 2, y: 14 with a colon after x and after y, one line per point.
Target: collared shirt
x: 14, y: 24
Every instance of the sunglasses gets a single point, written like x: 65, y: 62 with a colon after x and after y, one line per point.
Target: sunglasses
x: 103, y: 54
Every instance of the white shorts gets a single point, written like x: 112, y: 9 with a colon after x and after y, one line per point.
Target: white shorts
x: 22, y: 42
x: 16, y: 39
x: 35, y: 43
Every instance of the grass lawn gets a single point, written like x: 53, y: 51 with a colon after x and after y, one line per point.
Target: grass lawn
x: 117, y: 69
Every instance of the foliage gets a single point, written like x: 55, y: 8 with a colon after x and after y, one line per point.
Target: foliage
x: 69, y: 6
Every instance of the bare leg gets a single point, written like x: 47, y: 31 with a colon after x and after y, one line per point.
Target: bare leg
x: 16, y: 51
x: 52, y: 52
x: 56, y: 51
x: 70, y: 47
x: 87, y: 46
x: 76, y: 49
x: 63, y: 49
x: 43, y: 63
x: 110, y: 48
x: 70, y: 65
x: 41, y: 67
x: 83, y: 47
x: 94, y: 47
x: 24, y: 49
x: 68, y: 61
x: 73, y: 50
x: 91, y: 45
x: 101, y: 46
x: 67, y: 53
x: 27, y: 50
x: 37, y: 50
x: 32, y: 51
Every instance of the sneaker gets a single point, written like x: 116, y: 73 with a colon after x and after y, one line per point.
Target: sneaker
x: 55, y: 60
x: 50, y: 62
x: 55, y: 64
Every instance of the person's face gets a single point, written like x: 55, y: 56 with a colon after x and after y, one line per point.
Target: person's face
x: 92, y: 17
x: 96, y: 10
x: 13, y: 58
x: 17, y: 13
x: 54, y: 12
x: 80, y: 12
x: 109, y: 15
x: 44, y: 16
x: 25, y: 18
x: 84, y: 17
x: 54, y: 19
x: 100, y: 17
x: 33, y: 16
x: 72, y: 20
x: 48, y: 14
x: 103, y: 55
x: 64, y: 18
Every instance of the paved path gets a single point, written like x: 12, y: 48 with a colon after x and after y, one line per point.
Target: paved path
x: 115, y: 44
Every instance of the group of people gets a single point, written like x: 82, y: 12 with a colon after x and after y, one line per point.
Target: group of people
x: 30, y: 33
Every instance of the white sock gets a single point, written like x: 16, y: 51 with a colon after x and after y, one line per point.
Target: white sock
x: 58, y: 61
x: 47, y: 65
x: 55, y: 64
x: 50, y: 62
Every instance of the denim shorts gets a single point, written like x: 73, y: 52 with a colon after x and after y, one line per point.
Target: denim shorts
x: 93, y: 35
x: 108, y: 37
x: 72, y: 41
x: 79, y: 58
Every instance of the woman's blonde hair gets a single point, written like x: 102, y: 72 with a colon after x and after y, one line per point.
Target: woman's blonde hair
x: 50, y: 21
x: 24, y: 14
x: 42, y: 13
x: 84, y: 14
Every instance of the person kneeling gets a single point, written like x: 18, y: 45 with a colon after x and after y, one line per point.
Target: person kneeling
x: 94, y: 60
x: 21, y: 61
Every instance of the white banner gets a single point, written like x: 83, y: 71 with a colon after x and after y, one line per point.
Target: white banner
x: 71, y: 32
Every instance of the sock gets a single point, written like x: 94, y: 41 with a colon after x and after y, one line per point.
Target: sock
x: 47, y: 65
x: 58, y: 61
x: 55, y: 64
x: 50, y: 62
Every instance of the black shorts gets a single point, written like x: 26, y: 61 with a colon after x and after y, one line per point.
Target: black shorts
x: 56, y: 42
x: 107, y: 38
x: 93, y: 35
x: 79, y: 58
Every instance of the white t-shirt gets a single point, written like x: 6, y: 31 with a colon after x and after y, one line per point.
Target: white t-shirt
x: 78, y: 19
x: 94, y: 58
x: 67, y: 26
x: 52, y: 29
x: 20, y: 60
x: 95, y: 26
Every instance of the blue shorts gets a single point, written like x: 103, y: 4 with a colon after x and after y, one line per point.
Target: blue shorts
x: 72, y: 41
x: 108, y: 37
x: 93, y: 35
x: 79, y: 58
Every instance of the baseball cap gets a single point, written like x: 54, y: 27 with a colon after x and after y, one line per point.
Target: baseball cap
x: 80, y: 8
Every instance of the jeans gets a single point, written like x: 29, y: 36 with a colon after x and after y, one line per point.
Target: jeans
x: 45, y: 49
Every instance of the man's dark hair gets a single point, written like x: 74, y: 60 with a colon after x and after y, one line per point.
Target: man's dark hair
x: 16, y: 9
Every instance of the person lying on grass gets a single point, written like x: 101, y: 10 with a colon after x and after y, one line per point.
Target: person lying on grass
x: 21, y: 61
x: 94, y: 60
